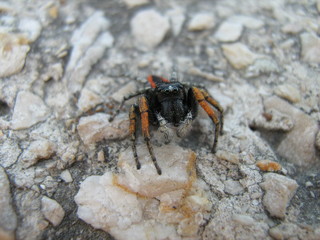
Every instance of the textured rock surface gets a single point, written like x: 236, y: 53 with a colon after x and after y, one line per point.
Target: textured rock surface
x: 66, y: 65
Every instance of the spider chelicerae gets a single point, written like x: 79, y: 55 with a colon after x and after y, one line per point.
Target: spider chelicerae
x: 169, y: 102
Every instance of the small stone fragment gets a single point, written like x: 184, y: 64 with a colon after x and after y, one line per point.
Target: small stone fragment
x: 31, y: 27
x: 177, y: 19
x: 52, y: 210
x: 101, y: 157
x: 29, y: 109
x: 238, y: 55
x: 288, y: 92
x: 247, y: 21
x: 310, y: 51
x: 135, y: 3
x: 262, y: 66
x: 298, y: 144
x: 268, y: 166
x: 88, y: 100
x: 38, y: 150
x: 201, y: 21
x: 243, y: 219
x: 289, y: 230
x: 126, y: 90
x: 233, y: 187
x: 8, y: 218
x: 149, y: 28
x: 273, y: 120
x: 229, y: 31
x: 13, y: 53
x: 97, y: 127
x: 228, y: 156
x: 66, y: 176
x: 278, y: 192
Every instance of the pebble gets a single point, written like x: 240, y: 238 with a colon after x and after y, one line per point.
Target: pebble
x: 149, y: 28
x: 177, y: 18
x: 135, y: 3
x: 201, y: 21
x: 233, y: 187
x: 52, y: 210
x: 288, y: 92
x: 66, y: 176
x: 243, y: 219
x: 278, y: 192
x: 268, y: 166
x: 228, y: 156
x: 247, y: 21
x: 9, y: 152
x: 238, y: 55
x: 88, y: 100
x: 29, y: 109
x: 13, y: 53
x: 100, y: 156
x: 89, y: 43
x: 297, y: 145
x: 31, y: 27
x: 8, y: 218
x: 124, y: 91
x: 97, y: 127
x: 229, y: 31
x: 310, y: 51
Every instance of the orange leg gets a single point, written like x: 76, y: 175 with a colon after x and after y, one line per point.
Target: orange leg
x: 202, y: 102
x: 215, y: 104
x: 144, y: 114
x: 132, y: 128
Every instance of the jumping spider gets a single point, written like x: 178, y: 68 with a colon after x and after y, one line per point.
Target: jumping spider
x: 169, y: 102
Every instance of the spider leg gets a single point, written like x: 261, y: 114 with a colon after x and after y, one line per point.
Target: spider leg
x: 215, y: 104
x: 126, y: 98
x: 163, y: 128
x: 133, y: 126
x: 185, y: 125
x: 206, y: 107
x: 144, y: 114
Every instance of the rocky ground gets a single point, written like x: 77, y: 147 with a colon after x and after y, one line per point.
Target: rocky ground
x: 68, y: 173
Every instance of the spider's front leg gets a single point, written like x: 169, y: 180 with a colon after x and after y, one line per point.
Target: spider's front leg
x: 202, y: 99
x: 134, y: 110
x: 144, y: 114
x: 185, y: 125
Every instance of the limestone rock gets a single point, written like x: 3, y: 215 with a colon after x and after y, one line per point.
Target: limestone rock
x: 97, y: 127
x: 297, y: 145
x: 13, y: 52
x: 88, y: 100
x: 310, y: 47
x: 137, y: 203
x: 201, y: 21
x: 229, y: 31
x: 279, y: 191
x: 52, y: 210
x: 8, y: 218
x: 149, y: 28
x: 66, y: 176
x: 238, y: 55
x: 29, y: 109
x: 38, y: 150
x: 288, y: 92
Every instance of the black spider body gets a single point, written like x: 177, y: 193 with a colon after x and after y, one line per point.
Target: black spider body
x: 170, y: 103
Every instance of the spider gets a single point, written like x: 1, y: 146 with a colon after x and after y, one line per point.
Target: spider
x: 169, y: 102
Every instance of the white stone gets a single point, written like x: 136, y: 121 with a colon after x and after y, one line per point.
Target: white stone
x: 66, y: 176
x: 8, y: 218
x: 238, y: 55
x: 135, y: 3
x: 229, y: 31
x: 125, y: 204
x: 233, y: 187
x: 310, y: 51
x: 31, y: 27
x: 29, y: 109
x: 89, y: 43
x: 288, y: 92
x: 88, y: 100
x: 228, y: 156
x: 38, y: 150
x: 13, y: 53
x: 177, y: 19
x: 52, y: 210
x: 201, y: 21
x: 97, y: 127
x: 247, y: 21
x: 149, y: 28
x: 278, y: 192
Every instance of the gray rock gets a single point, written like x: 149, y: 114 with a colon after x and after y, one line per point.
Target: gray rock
x: 238, y: 55
x: 8, y: 218
x: 278, y: 192
x: 201, y: 21
x: 229, y: 31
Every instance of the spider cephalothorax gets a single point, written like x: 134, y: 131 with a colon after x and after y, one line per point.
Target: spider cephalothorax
x: 169, y: 102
